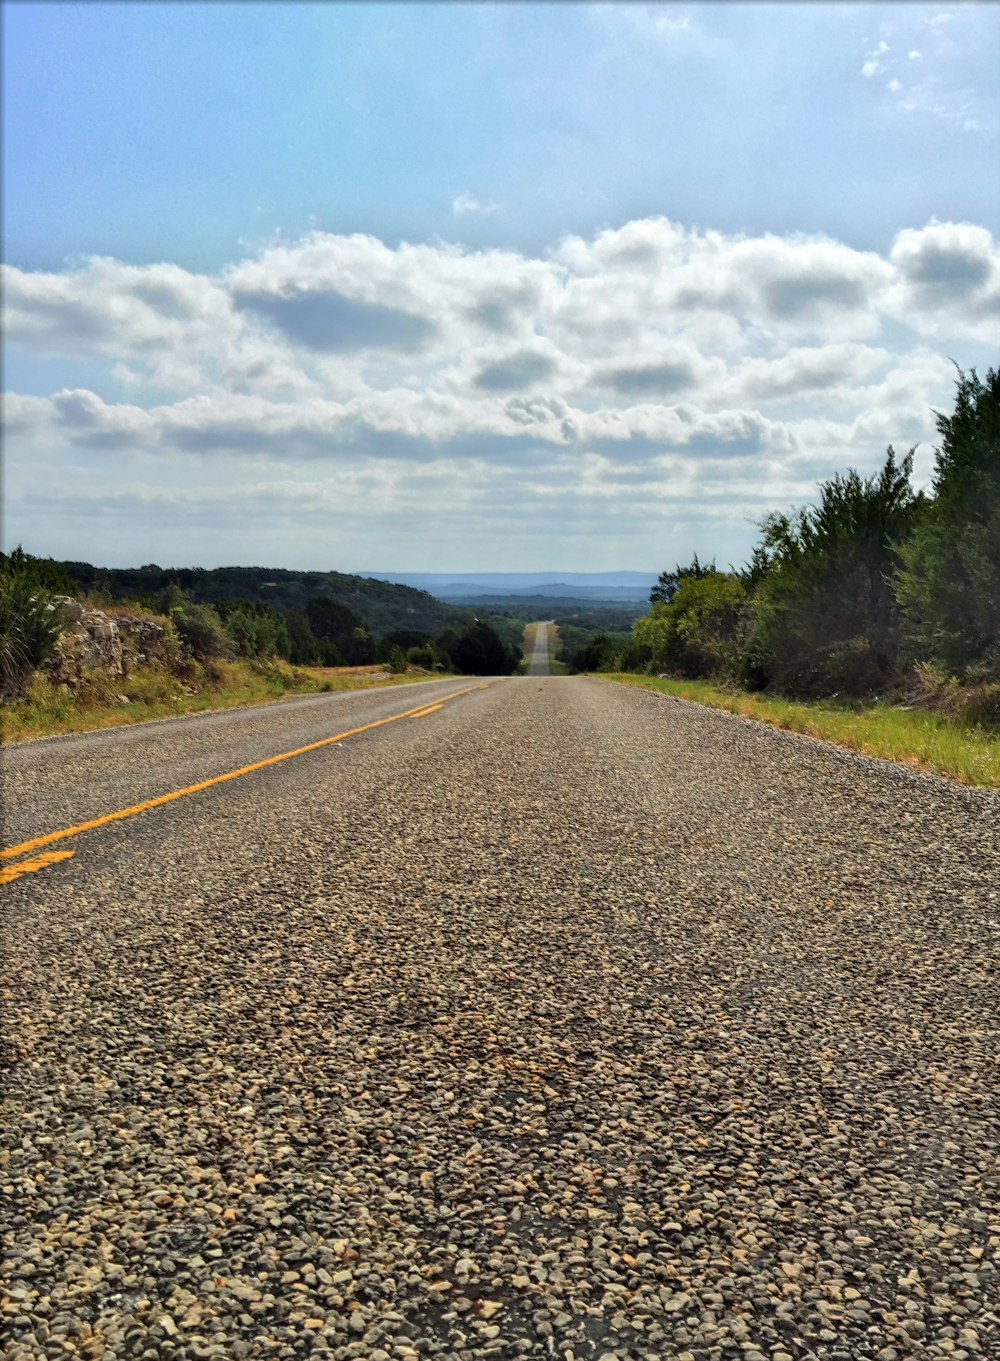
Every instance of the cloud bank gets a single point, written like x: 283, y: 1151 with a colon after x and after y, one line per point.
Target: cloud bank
x: 650, y: 386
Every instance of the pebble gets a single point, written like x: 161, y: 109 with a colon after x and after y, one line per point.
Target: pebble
x: 564, y: 1023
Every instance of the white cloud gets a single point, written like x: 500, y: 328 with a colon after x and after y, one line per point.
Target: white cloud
x: 645, y: 369
x: 467, y: 205
x: 668, y: 22
x: 933, y: 80
x: 873, y: 65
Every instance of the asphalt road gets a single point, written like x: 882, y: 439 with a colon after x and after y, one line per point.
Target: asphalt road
x: 539, y: 665
x: 565, y: 1020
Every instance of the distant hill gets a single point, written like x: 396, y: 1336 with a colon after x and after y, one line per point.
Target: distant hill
x: 494, y: 587
x: 384, y: 606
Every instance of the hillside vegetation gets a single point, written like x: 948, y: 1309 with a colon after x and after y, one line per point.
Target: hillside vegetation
x: 381, y: 605
x: 875, y: 592
x: 78, y: 651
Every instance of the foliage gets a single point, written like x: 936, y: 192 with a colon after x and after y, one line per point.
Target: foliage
x: 45, y: 575
x: 479, y: 650
x: 201, y: 632
x: 848, y: 595
x: 669, y: 583
x: 826, y: 619
x: 403, y: 638
x: 589, y: 649
x: 429, y: 657
x: 342, y: 635
x: 382, y: 605
x: 949, y: 585
x: 304, y: 648
x: 697, y: 631
x: 29, y: 625
x: 257, y: 629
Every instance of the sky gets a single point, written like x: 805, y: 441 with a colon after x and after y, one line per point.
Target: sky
x: 481, y: 287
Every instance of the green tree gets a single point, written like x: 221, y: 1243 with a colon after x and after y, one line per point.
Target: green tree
x: 697, y: 633
x: 826, y: 619
x: 304, y: 647
x: 480, y: 651
x: 949, y: 583
x: 45, y: 574
x: 342, y: 632
x: 669, y: 583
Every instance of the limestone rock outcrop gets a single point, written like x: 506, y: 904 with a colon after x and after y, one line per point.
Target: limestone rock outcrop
x: 93, y: 640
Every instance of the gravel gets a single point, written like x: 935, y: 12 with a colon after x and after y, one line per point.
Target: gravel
x: 569, y: 1021
x: 539, y: 664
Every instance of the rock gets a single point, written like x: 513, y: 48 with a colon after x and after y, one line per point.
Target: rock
x: 71, y: 610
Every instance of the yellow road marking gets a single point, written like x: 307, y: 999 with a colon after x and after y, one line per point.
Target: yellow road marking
x: 433, y: 709
x: 13, y: 872
x: 37, y: 842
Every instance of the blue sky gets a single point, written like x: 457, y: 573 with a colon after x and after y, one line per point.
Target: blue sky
x: 470, y: 287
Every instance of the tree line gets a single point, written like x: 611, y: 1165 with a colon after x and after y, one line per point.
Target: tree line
x: 326, y: 632
x: 852, y: 594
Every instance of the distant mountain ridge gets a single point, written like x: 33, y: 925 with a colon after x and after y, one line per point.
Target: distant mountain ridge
x: 625, y: 586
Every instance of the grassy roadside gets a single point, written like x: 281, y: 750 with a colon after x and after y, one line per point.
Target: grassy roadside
x: 921, y: 740
x: 152, y: 693
x: 557, y: 667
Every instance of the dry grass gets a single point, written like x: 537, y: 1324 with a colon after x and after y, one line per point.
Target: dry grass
x: 154, y: 693
x: 926, y: 741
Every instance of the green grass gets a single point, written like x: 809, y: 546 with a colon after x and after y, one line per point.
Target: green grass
x: 154, y: 693
x: 914, y: 738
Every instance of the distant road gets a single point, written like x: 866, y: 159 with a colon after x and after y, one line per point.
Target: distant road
x: 540, y: 655
x: 510, y: 1018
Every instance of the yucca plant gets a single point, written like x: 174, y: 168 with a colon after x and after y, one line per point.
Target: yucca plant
x: 29, y: 630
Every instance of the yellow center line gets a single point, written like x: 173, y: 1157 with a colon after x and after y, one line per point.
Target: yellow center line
x: 433, y: 709
x: 12, y: 872
x: 39, y: 841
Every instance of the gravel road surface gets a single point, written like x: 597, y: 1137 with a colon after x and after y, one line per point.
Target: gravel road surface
x: 567, y: 1021
x: 539, y: 665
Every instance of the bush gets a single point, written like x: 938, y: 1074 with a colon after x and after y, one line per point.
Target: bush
x: 397, y: 661
x: 698, y: 633
x: 201, y: 632
x: 29, y: 626
x: 426, y: 657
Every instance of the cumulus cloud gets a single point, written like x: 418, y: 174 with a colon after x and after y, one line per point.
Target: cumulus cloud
x: 649, y: 367
x: 515, y: 372
x: 323, y: 319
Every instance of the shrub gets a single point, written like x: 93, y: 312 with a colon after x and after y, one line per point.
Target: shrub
x: 202, y: 633
x: 696, y: 634
x: 426, y: 656
x: 29, y: 627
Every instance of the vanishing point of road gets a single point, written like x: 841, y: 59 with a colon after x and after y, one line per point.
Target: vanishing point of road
x: 526, y: 1018
x: 539, y: 664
